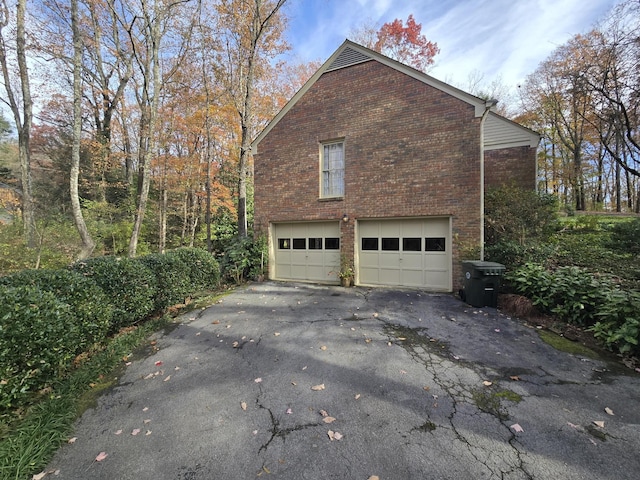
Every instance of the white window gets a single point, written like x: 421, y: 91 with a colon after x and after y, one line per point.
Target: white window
x: 332, y: 170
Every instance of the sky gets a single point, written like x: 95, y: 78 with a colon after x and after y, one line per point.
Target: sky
x: 501, y: 40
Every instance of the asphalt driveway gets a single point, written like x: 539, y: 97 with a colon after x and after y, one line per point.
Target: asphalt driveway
x: 295, y: 381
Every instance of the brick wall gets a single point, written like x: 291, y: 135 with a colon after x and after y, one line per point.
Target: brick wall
x: 410, y: 150
x: 511, y: 166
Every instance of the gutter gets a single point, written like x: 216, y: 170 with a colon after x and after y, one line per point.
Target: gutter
x: 489, y: 104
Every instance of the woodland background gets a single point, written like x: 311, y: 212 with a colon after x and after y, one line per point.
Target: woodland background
x: 127, y: 123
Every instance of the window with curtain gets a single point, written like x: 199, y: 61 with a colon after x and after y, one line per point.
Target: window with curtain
x: 332, y: 170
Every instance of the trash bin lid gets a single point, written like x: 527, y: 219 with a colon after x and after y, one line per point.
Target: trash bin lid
x: 487, y: 268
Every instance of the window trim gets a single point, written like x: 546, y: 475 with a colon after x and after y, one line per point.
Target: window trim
x: 322, y: 170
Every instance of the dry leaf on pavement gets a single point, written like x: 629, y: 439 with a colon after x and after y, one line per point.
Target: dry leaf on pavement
x: 317, y: 388
x: 101, y: 456
x: 487, y: 383
x: 72, y: 440
x: 517, y: 428
x: 609, y: 411
x: 135, y: 431
x: 243, y: 405
x: 598, y: 423
x: 328, y: 419
x: 39, y: 476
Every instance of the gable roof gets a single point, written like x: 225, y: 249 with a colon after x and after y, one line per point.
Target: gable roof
x: 499, y: 132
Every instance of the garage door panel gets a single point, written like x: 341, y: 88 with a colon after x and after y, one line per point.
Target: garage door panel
x: 412, y: 252
x: 308, y: 256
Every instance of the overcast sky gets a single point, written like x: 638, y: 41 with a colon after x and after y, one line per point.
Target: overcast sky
x: 506, y: 38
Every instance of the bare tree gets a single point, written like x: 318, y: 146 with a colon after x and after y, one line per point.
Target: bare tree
x: 22, y: 112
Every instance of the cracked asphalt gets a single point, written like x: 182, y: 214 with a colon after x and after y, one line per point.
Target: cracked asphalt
x: 406, y: 379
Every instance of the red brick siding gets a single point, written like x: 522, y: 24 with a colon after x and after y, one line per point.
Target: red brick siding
x: 511, y: 166
x: 410, y: 150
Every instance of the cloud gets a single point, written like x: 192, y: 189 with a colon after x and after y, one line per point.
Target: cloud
x: 497, y: 38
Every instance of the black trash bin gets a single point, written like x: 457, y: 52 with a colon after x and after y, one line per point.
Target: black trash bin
x: 481, y: 283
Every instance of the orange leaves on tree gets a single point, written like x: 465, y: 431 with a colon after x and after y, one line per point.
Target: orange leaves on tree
x: 405, y: 43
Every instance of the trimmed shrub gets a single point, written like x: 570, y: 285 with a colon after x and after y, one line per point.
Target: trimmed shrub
x: 38, y: 342
x: 129, y: 284
x: 172, y: 278
x: 91, y: 308
x: 204, y: 271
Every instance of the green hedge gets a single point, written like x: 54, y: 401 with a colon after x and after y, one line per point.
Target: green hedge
x: 204, y: 271
x: 130, y: 285
x: 48, y: 317
x: 38, y: 342
x: 92, y: 309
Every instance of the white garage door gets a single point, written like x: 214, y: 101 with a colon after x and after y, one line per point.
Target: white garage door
x: 307, y: 251
x: 412, y: 253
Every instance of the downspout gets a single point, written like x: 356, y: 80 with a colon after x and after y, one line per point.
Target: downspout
x: 489, y: 104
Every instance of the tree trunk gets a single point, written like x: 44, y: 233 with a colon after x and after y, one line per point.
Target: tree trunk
x: 23, y: 121
x: 87, y: 242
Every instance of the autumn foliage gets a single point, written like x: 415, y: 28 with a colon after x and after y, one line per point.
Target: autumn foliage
x: 405, y: 43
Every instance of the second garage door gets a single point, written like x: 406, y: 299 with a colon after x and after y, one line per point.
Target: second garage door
x: 408, y: 252
x: 307, y: 251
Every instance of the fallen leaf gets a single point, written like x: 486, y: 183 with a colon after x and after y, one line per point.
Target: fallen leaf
x: 39, y: 476
x: 572, y: 425
x: 167, y: 379
x: 243, y: 405
x: 426, y: 388
x: 389, y: 344
x: 402, y: 339
x: 117, y: 432
x: 598, y: 423
x: 357, y: 396
x: 197, y: 334
x: 403, y: 372
x: 3, y: 382
x: 135, y: 431
x: 374, y: 477
x: 294, y: 384
x: 515, y: 378
x: 148, y: 376
x: 289, y: 411
x: 487, y: 383
x: 517, y: 428
x: 148, y: 433
x: 317, y: 388
x: 258, y: 380
x: 609, y: 411
x: 177, y: 368
x: 276, y: 334
x: 216, y: 322
x: 235, y: 344
x: 145, y: 409
x: 497, y: 330
x: 101, y: 456
x: 375, y: 315
x: 323, y: 347
x: 158, y: 363
x: 304, y: 368
x: 324, y: 413
x: 72, y: 440
x: 367, y: 340
x: 148, y: 420
x: 255, y: 432
x: 328, y: 419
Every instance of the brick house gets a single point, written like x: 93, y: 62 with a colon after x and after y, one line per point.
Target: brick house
x: 383, y: 167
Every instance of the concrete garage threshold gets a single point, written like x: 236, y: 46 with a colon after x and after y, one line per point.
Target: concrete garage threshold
x: 297, y: 381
